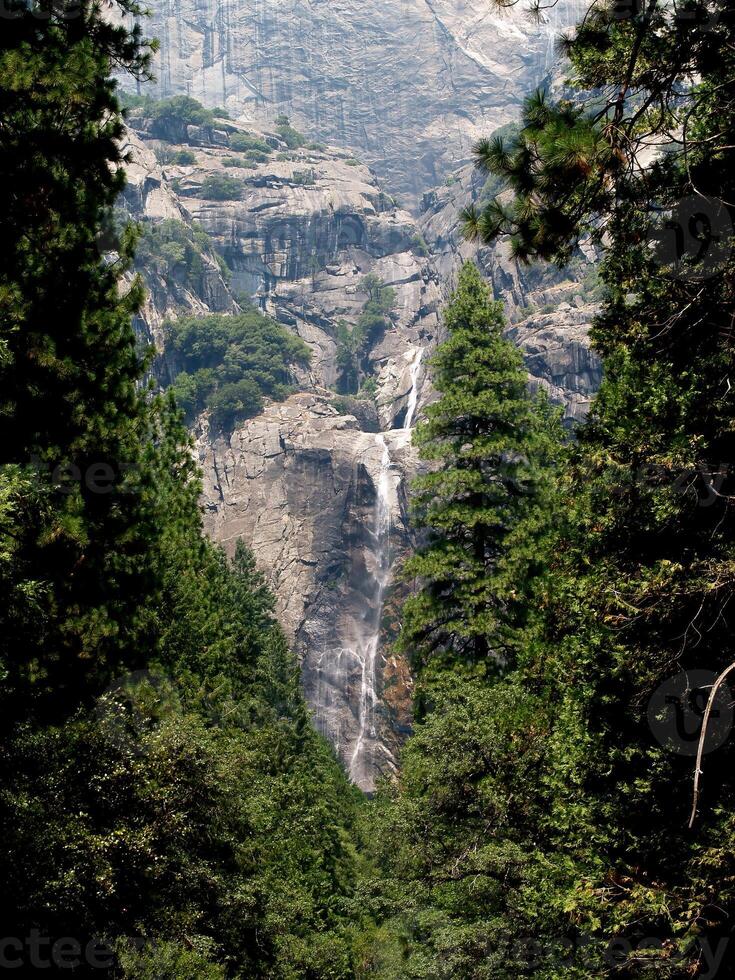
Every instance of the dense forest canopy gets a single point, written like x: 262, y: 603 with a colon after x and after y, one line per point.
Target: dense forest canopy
x: 167, y: 807
x: 568, y: 837
x: 230, y: 363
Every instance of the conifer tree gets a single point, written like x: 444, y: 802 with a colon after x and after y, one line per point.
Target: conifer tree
x: 488, y: 444
x: 638, y: 591
x: 542, y: 826
x: 451, y: 838
x: 162, y: 793
x: 73, y: 415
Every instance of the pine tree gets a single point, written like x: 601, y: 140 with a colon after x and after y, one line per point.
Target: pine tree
x: 489, y: 445
x: 159, y: 778
x: 638, y: 591
x: 73, y: 415
x: 451, y: 838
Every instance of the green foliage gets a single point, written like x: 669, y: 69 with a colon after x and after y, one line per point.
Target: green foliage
x: 256, y: 156
x: 132, y: 102
x: 539, y: 828
x: 200, y: 788
x: 234, y: 401
x: 303, y: 178
x: 184, y: 158
x: 368, y: 388
x: 159, y: 776
x: 63, y: 323
x: 176, y: 251
x: 354, y: 341
x: 495, y: 183
x: 243, y: 142
x: 290, y: 136
x: 239, y: 162
x: 228, y: 363
x: 566, y: 145
x: 169, y: 118
x: 161, y: 787
x: 491, y: 447
x: 419, y: 245
x: 181, y: 110
x: 221, y: 187
x: 181, y: 158
x: 451, y: 838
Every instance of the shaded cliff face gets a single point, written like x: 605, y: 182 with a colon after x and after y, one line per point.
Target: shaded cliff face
x: 323, y: 505
x: 409, y: 85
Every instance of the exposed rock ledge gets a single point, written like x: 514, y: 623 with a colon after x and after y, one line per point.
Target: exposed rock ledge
x: 299, y: 484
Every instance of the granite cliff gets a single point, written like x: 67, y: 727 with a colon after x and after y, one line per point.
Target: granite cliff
x: 317, y: 484
x: 408, y: 85
x: 549, y: 310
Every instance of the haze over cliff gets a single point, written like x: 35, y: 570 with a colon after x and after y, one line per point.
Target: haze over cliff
x: 410, y: 85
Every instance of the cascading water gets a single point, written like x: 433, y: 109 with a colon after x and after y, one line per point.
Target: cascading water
x: 414, y: 394
x: 362, y: 762
x: 343, y: 679
x: 560, y: 18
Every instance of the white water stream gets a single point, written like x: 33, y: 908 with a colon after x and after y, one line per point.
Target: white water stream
x: 361, y: 764
x: 414, y: 394
x: 367, y: 643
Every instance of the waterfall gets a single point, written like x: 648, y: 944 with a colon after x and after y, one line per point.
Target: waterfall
x: 361, y: 763
x: 414, y: 395
x: 559, y: 18
x: 367, y: 645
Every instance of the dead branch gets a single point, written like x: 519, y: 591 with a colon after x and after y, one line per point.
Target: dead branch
x: 702, y: 736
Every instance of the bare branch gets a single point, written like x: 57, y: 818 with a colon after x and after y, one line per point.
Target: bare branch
x: 702, y: 737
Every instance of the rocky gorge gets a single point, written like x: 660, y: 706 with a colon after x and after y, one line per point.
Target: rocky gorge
x: 318, y: 484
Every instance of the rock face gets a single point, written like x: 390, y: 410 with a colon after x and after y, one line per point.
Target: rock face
x: 323, y: 506
x: 549, y: 311
x: 307, y: 228
x: 317, y: 485
x: 408, y: 85
x: 150, y: 198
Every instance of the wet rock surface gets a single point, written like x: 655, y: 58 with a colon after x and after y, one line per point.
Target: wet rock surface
x: 323, y: 505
